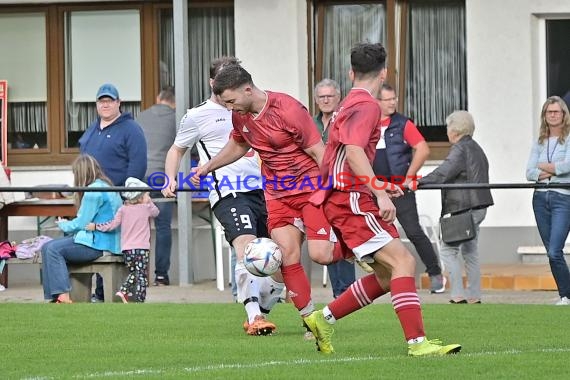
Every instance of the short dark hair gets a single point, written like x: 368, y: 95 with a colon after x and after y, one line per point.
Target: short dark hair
x: 220, y: 62
x: 230, y: 78
x: 167, y: 95
x: 387, y: 87
x: 367, y: 59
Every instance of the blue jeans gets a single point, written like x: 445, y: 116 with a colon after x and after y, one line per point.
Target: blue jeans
x: 552, y: 214
x: 55, y: 256
x: 163, y: 243
x: 342, y: 276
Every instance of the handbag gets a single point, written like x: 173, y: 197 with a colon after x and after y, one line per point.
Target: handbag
x: 457, y: 228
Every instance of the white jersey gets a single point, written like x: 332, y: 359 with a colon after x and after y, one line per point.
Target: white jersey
x: 209, y: 125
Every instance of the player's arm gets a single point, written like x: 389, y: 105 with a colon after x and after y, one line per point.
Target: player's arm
x: 231, y: 152
x: 421, y: 151
x: 171, y: 165
x: 360, y: 166
x: 316, y: 152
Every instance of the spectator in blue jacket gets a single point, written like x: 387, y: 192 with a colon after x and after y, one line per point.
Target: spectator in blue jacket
x: 115, y: 139
x: 117, y: 142
x: 84, y: 246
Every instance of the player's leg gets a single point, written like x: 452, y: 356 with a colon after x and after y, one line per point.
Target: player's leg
x: 270, y: 288
x: 406, y: 302
x: 407, y: 211
x: 365, y: 233
x: 285, y: 224
x: 240, y: 226
x: 289, y: 239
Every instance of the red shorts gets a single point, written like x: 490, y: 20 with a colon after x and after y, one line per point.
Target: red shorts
x: 296, y: 210
x: 356, y: 222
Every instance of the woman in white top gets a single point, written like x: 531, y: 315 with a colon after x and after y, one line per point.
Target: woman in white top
x: 549, y: 162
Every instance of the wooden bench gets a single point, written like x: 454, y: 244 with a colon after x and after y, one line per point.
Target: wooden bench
x: 537, y: 254
x: 111, y: 267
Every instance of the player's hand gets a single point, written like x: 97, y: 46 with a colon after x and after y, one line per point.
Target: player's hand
x: 170, y: 190
x: 411, y: 183
x: 199, y: 172
x: 394, y: 191
x: 387, y: 209
x: 90, y: 227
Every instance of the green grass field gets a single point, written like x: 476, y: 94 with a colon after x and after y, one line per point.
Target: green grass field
x: 48, y: 341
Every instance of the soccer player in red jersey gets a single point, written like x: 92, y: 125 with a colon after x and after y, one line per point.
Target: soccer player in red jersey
x: 364, y: 224
x: 281, y: 130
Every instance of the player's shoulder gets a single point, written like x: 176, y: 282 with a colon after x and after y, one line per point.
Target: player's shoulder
x: 281, y: 98
x: 206, y: 110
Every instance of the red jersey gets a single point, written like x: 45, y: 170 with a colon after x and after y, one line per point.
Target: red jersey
x: 355, y: 122
x: 280, y: 133
x: 411, y: 134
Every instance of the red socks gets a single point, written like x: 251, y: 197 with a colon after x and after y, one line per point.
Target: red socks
x: 361, y: 293
x: 407, y: 307
x: 297, y: 283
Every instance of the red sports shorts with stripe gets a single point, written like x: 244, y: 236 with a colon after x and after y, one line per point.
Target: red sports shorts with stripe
x: 355, y: 219
x: 297, y: 211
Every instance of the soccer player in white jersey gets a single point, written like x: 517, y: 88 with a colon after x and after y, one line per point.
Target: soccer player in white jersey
x: 236, y: 197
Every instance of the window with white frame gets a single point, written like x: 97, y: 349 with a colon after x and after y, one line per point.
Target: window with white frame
x: 23, y: 65
x: 100, y: 47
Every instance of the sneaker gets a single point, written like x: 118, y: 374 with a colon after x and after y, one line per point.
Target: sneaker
x: 95, y: 299
x: 364, y: 266
x: 563, y: 301
x: 432, y: 348
x: 437, y: 284
x: 322, y: 330
x: 122, y: 296
x: 309, y: 336
x: 161, y: 281
x: 260, y: 326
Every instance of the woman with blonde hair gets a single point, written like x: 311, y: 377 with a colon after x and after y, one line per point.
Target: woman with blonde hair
x: 83, y: 246
x: 549, y: 163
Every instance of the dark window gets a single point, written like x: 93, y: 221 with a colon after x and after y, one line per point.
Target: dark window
x: 558, y: 57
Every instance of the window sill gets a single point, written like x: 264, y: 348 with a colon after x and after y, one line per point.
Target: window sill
x: 438, y: 151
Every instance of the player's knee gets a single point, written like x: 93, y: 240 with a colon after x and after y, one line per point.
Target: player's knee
x: 321, y: 256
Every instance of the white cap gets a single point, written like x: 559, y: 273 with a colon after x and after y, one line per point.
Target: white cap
x: 133, y: 182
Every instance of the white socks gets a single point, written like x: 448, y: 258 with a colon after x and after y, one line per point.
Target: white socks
x: 329, y: 317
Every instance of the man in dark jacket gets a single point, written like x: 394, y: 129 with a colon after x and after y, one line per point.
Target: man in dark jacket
x: 117, y: 142
x: 400, y: 154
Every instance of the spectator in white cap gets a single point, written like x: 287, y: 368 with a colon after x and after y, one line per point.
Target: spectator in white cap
x: 134, y: 218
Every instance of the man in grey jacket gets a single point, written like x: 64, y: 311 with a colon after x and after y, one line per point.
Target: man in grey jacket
x: 159, y: 126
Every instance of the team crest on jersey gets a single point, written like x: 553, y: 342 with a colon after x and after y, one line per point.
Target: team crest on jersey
x: 245, y: 129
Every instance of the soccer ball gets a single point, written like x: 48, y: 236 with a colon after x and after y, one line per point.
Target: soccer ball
x: 262, y: 257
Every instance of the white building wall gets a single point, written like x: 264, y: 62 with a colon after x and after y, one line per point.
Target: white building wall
x: 506, y: 82
x: 271, y: 41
